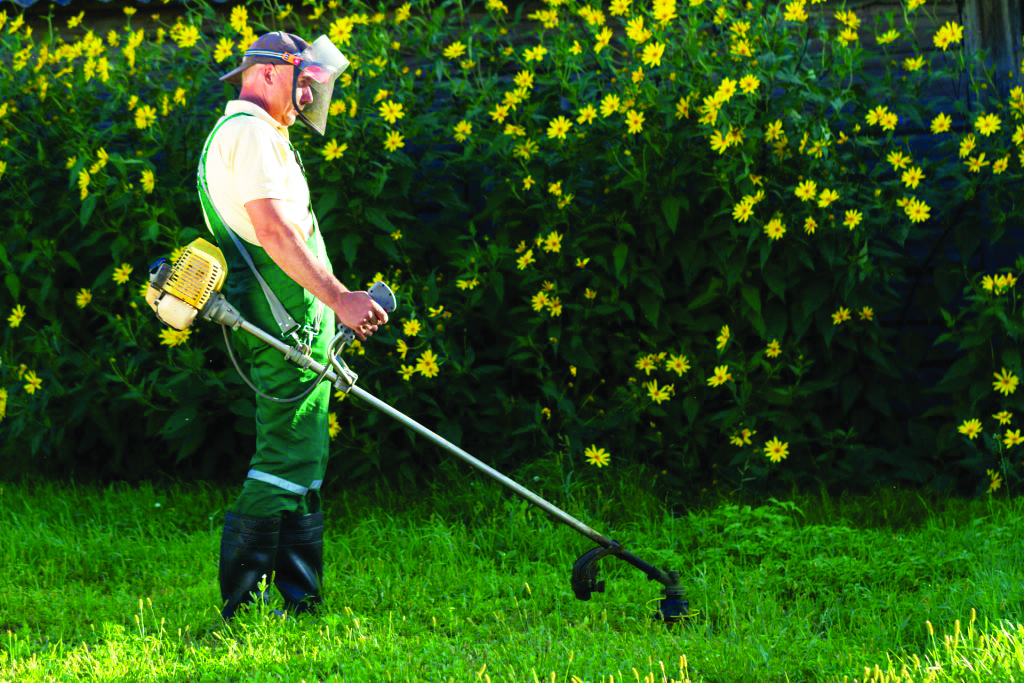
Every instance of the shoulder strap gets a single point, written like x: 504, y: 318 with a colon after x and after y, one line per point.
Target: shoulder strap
x: 219, y: 228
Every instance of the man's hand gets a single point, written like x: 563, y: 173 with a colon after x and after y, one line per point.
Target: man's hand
x: 286, y: 245
x: 360, y: 313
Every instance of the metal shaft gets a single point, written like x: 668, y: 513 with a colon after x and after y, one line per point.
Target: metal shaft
x: 521, y: 491
x: 515, y: 487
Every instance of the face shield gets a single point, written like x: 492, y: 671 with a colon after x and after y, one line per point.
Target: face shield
x: 316, y: 69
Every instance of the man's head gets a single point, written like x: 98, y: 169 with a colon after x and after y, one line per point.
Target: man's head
x: 290, y: 78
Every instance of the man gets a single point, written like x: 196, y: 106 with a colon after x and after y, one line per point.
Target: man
x: 256, y: 202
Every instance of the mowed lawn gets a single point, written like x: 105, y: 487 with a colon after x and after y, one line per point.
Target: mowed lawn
x: 457, y: 580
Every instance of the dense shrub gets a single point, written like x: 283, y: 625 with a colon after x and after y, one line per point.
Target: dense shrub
x: 685, y: 234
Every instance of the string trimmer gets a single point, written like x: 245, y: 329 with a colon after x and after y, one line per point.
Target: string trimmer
x: 190, y: 288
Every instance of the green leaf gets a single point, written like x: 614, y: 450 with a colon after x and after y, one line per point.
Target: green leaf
x: 88, y: 206
x: 775, y: 278
x: 1011, y: 358
x: 377, y: 217
x: 619, y: 255
x: 179, y: 420
x: 752, y: 297
x: 690, y: 408
x: 670, y: 209
x: 349, y: 247
x: 850, y: 389
x: 13, y: 285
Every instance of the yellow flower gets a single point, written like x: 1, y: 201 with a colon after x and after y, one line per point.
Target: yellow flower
x: 587, y: 114
x: 975, y: 164
x: 1012, y: 438
x: 678, y: 364
x: 467, y: 284
x: 647, y: 363
x: 463, y: 129
x: 539, y: 301
x: 83, y: 298
x: 171, y: 337
x: 913, y: 63
x: 528, y: 182
x: 720, y: 377
x: 841, y: 315
x: 239, y: 18
x: 411, y: 327
x: 888, y: 37
x: 598, y: 457
x: 742, y: 438
x: 810, y: 225
x: 743, y: 210
x: 775, y: 229
x: 987, y: 124
x: 806, y: 190
x: 402, y: 348
x: 394, y: 141
x: 1001, y: 165
x: 333, y: 428
x: 144, y: 116
x: 659, y: 394
x: 912, y: 177
x: 535, y: 54
x: 967, y: 145
x: 970, y: 428
x: 723, y: 338
x: 634, y: 121
x: 582, y: 262
x: 555, y: 188
x: 148, y: 181
x: 916, y: 210
x: 775, y: 450
x: 749, y: 84
x: 555, y: 306
x: 391, y: 111
x: 526, y: 259
x: 33, y: 382
x: 185, y: 35
x: 16, y: 316
x: 774, y: 350
x: 332, y: 150
x: 426, y: 364
x: 1006, y: 382
x: 950, y: 33
x: 3, y: 404
x: 652, y: 54
x: 852, y: 218
x: 121, y: 273
x: 636, y: 31
x: 558, y: 127
x: 867, y: 313
x: 995, y: 481
x: 609, y: 105
x: 553, y: 242
x: 898, y: 159
x: 827, y: 197
x: 402, y: 13
x: 83, y: 183
x: 1004, y: 417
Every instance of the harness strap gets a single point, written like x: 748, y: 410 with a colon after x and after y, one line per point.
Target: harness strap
x: 219, y: 226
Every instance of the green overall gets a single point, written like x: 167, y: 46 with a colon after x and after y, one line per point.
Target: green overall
x: 292, y: 438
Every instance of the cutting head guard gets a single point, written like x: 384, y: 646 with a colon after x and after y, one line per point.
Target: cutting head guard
x: 316, y: 66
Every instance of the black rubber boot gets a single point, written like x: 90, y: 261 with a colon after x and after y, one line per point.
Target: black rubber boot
x: 300, y: 562
x: 247, y: 550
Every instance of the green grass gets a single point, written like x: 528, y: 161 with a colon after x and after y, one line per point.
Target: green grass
x: 459, y: 581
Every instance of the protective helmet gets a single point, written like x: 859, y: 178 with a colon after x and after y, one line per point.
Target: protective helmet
x: 320, y: 63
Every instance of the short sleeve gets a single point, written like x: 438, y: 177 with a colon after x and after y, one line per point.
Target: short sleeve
x: 255, y: 162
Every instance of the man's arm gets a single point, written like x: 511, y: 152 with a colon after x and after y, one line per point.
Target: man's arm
x: 284, y: 244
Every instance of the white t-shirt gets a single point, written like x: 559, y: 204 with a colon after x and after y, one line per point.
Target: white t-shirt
x: 249, y: 158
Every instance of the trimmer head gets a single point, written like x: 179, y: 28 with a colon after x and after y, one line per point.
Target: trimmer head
x: 671, y: 609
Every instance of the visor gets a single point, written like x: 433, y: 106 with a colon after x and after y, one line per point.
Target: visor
x: 320, y: 61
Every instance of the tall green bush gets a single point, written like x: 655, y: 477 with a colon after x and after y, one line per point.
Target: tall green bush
x: 672, y: 232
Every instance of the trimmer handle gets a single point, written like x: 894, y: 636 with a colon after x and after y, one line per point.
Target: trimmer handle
x: 383, y: 295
